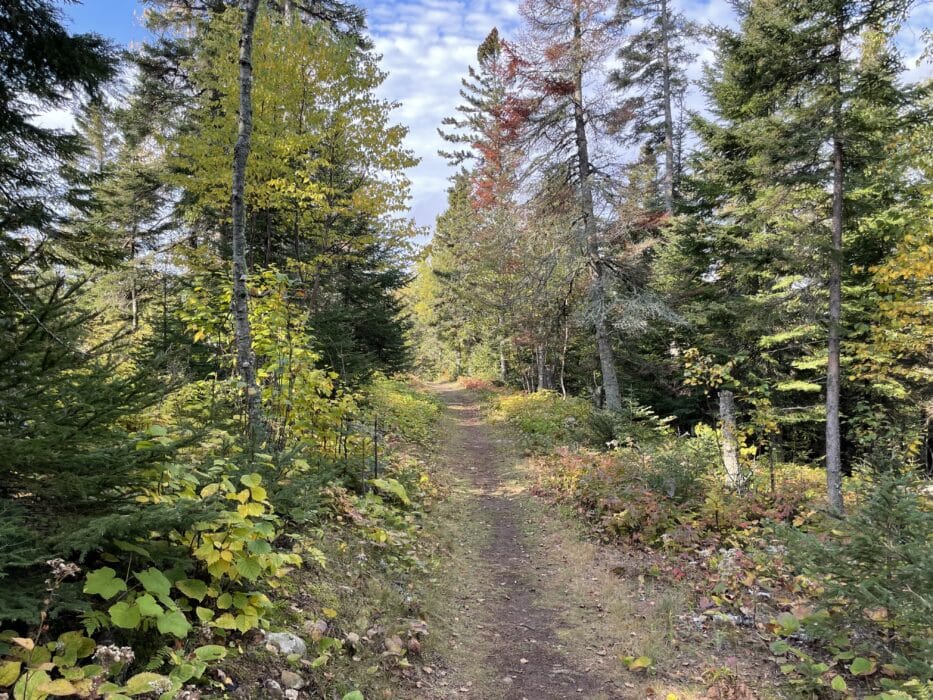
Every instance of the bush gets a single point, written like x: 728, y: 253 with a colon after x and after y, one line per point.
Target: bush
x: 634, y: 424
x: 876, y: 571
x: 545, y: 419
x: 403, y: 410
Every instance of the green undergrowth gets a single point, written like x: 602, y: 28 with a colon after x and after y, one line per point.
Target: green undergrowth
x: 319, y: 535
x: 845, y: 602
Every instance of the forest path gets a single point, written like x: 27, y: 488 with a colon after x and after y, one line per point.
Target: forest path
x: 520, y: 592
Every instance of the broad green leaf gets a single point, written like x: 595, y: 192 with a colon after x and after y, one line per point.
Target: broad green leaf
x: 225, y: 622
x: 861, y: 666
x: 204, y: 614
x: 193, y: 588
x: 210, y: 652
x: 354, y: 695
x: 125, y: 615
x: 148, y: 607
x: 174, y: 623
x: 640, y: 662
x: 251, y: 480
x: 145, y: 682
x: 248, y: 567
x: 393, y: 487
x: 103, y: 582
x: 9, y: 672
x: 154, y: 581
x: 59, y: 688
x: 27, y: 687
x: 839, y: 684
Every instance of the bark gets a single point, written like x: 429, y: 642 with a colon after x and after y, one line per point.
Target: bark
x: 833, y: 378
x: 730, y: 443
x: 246, y: 361
x: 668, y: 116
x: 597, y: 269
x: 503, y: 373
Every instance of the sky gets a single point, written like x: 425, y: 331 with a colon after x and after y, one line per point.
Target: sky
x: 427, y: 46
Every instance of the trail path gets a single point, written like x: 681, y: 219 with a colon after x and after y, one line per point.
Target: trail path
x: 520, y: 586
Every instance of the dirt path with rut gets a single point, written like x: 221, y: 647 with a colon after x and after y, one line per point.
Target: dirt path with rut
x: 510, y: 608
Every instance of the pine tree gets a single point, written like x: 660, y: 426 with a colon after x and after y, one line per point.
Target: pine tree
x: 565, y: 44
x: 652, y: 76
x: 790, y: 91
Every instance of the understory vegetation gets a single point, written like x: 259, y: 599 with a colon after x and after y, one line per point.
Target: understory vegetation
x: 843, y: 603
x: 201, y: 442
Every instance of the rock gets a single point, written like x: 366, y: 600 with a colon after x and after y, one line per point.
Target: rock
x: 287, y: 643
x: 273, y: 690
x: 290, y: 679
x: 291, y: 694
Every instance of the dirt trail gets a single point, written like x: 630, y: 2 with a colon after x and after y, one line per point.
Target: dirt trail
x: 508, y: 596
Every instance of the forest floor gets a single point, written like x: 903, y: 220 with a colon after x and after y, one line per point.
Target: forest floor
x: 527, y: 607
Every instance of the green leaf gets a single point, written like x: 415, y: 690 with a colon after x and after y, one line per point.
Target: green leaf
x: 788, y: 623
x: 861, y: 666
x: 225, y: 622
x: 125, y: 615
x: 248, y: 567
x: 251, y: 480
x: 174, y: 623
x: 193, y: 588
x: 393, y: 487
x: 779, y: 647
x: 148, y: 606
x: 59, y: 688
x: 839, y: 684
x: 144, y: 683
x: 27, y: 687
x: 640, y: 662
x: 9, y: 672
x: 210, y: 652
x: 224, y: 601
x: 355, y: 695
x: 204, y: 614
x: 103, y: 582
x: 154, y: 581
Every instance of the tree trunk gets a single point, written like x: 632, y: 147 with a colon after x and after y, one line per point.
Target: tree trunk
x: 597, y: 268
x: 833, y: 436
x: 246, y: 366
x: 668, y: 116
x: 730, y: 443
x: 503, y: 373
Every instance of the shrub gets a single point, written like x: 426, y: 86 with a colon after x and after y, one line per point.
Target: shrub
x: 403, y: 410
x: 876, y: 570
x: 545, y: 419
x: 634, y: 424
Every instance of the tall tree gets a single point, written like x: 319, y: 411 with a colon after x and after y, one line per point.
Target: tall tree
x: 565, y: 44
x: 653, y: 76
x: 798, y: 105
x: 245, y: 358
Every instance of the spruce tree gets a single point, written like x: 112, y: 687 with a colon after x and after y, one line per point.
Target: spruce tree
x: 793, y: 98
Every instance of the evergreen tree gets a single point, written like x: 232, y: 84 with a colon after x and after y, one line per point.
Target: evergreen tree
x: 789, y: 90
x: 653, y: 76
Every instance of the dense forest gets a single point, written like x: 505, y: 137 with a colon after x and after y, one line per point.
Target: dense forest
x: 708, y: 329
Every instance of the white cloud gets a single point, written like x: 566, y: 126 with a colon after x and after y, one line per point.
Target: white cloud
x: 427, y: 46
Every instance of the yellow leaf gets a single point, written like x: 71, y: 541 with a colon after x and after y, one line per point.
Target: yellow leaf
x: 329, y: 613
x: 59, y: 688
x: 9, y: 672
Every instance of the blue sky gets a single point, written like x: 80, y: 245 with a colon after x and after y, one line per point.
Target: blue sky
x: 426, y: 47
